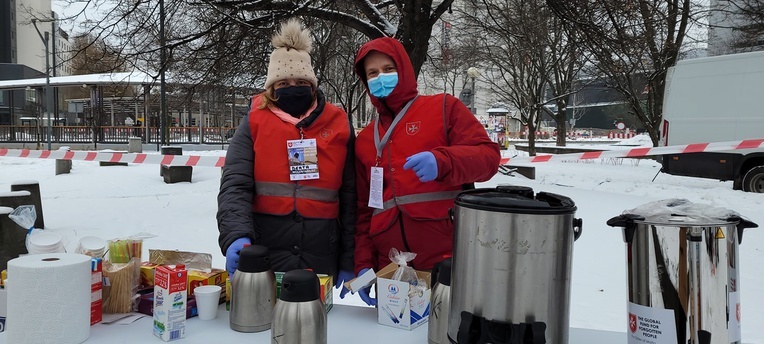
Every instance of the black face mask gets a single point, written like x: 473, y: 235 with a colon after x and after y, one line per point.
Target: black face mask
x: 294, y: 100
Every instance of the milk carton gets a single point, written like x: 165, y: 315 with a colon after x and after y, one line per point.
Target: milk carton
x: 170, y: 302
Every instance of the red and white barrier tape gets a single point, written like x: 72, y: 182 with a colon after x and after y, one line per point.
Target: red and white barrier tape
x: 132, y: 158
x: 644, y: 151
x: 219, y: 161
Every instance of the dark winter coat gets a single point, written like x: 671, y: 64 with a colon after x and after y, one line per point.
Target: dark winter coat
x: 324, y: 245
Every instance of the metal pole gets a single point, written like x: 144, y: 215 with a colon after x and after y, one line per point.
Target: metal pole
x: 162, y: 96
x: 48, y: 106
x: 48, y: 93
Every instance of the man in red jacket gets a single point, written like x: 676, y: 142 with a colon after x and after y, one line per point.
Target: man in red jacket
x: 413, y: 158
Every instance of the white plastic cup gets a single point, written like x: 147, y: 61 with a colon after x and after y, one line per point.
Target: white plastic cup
x: 207, y: 300
x: 92, y: 246
x: 45, y: 242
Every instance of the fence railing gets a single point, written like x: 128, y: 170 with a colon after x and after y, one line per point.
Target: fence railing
x: 108, y: 134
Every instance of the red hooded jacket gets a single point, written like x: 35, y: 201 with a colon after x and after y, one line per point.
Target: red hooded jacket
x: 440, y: 124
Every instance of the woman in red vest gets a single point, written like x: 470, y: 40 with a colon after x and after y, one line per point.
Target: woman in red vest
x: 419, y: 151
x: 289, y: 179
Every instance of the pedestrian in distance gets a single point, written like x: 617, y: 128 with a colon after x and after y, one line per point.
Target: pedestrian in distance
x: 305, y: 215
x: 412, y: 159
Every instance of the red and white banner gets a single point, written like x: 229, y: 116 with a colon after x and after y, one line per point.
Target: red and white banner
x: 132, y: 158
x: 219, y: 161
x: 643, y: 151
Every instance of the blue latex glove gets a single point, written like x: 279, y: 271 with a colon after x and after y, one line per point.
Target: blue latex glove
x: 232, y: 255
x: 342, y: 277
x: 424, y: 165
x: 364, y: 293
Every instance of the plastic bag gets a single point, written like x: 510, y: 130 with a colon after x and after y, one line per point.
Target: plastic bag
x: 404, y: 272
x: 24, y: 216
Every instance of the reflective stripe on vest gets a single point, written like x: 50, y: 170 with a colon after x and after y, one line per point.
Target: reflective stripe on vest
x: 296, y: 190
x: 417, y: 198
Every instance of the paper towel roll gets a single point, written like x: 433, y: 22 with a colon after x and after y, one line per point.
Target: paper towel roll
x: 49, y: 298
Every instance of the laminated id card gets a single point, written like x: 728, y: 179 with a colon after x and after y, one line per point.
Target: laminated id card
x: 375, y: 188
x: 303, y: 159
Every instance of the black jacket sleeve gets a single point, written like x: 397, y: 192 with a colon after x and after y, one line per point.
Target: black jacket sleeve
x: 237, y: 186
x: 348, y: 206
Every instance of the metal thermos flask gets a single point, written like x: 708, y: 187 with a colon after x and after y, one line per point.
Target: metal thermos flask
x: 299, y: 316
x: 440, y: 299
x: 253, y: 291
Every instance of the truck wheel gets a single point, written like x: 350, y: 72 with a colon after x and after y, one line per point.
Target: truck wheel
x: 754, y: 180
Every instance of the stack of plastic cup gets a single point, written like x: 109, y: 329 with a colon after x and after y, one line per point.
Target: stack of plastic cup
x: 92, y: 246
x: 45, y: 242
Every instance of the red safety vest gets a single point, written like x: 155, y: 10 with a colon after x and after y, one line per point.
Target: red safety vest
x: 274, y: 193
x: 419, y: 130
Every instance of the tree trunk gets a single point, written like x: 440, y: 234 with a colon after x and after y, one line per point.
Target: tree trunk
x: 415, y: 38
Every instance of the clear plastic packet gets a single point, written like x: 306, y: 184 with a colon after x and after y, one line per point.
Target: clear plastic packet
x: 120, y: 287
x: 404, y: 272
x: 25, y: 216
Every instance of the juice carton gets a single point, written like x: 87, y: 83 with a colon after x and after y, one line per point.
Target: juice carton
x: 96, y: 290
x: 170, y: 283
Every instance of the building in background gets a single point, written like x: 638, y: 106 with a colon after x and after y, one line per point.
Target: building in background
x: 727, y: 25
x: 22, y: 56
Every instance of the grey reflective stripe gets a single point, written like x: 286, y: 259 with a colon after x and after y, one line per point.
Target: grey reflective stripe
x: 417, y: 198
x: 295, y: 190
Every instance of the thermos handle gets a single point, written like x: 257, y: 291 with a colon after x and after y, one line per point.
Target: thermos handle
x: 435, y: 273
x: 578, y: 228
x: 628, y: 222
x: 741, y: 225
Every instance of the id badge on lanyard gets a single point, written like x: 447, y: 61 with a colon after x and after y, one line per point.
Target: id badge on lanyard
x: 376, y: 185
x: 303, y: 159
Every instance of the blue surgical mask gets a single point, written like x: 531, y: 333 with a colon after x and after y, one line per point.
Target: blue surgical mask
x: 383, y: 84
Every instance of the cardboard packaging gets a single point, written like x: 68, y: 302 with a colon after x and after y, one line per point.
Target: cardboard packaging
x: 325, y: 289
x: 147, y: 274
x: 146, y: 304
x: 170, y: 284
x: 96, y: 290
x: 398, y: 304
x: 213, y: 277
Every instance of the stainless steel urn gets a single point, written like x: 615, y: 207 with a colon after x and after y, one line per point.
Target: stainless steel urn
x: 683, y: 272
x: 253, y: 291
x: 299, y: 316
x: 510, y: 279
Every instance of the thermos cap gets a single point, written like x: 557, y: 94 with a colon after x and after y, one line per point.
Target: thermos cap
x: 444, y: 274
x: 254, y: 258
x: 299, y: 286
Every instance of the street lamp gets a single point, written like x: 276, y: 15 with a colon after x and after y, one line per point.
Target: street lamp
x: 48, y: 94
x: 162, y: 89
x: 473, y: 73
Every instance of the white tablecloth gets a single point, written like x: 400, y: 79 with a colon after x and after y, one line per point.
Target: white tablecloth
x: 346, y: 324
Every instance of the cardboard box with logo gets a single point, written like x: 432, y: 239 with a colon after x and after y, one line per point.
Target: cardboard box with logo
x: 399, y: 304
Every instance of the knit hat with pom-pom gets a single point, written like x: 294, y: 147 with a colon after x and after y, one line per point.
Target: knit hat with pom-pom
x: 291, y: 58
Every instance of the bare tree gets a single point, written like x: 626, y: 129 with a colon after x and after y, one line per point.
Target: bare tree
x: 736, y: 26
x: 527, y: 52
x: 633, y: 43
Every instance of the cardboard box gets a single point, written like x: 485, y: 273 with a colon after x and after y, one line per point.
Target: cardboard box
x: 325, y: 289
x: 147, y: 274
x: 170, y: 285
x: 146, y: 304
x: 397, y: 304
x: 195, y: 278
x: 96, y: 290
x: 214, y: 277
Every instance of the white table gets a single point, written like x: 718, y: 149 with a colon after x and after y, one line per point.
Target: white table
x: 346, y: 324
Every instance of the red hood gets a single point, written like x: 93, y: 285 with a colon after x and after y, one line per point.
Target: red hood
x: 407, y: 86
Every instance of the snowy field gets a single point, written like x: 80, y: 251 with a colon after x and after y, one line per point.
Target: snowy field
x: 114, y: 202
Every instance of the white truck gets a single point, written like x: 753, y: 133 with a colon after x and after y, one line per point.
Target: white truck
x: 716, y: 99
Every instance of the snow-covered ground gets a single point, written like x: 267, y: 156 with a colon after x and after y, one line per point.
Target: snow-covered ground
x: 114, y: 202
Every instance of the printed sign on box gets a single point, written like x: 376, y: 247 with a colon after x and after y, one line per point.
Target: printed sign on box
x: 649, y: 325
x: 398, y: 304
